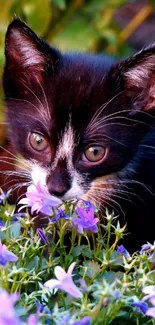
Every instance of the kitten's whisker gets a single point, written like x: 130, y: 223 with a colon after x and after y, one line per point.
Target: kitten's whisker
x: 15, y: 186
x: 24, y: 101
x: 104, y: 199
x: 102, y: 135
x: 147, y: 146
x: 43, y: 109
x: 4, y: 123
x: 102, y: 124
x: 16, y: 158
x: 116, y: 113
x: 128, y: 119
x: 94, y: 198
x: 35, y: 118
x: 139, y: 183
x: 101, y: 108
x: 14, y: 173
x: 124, y: 196
x: 115, y: 202
x: 46, y: 101
x: 12, y: 181
x: 12, y: 164
x: 126, y: 111
x: 23, y: 194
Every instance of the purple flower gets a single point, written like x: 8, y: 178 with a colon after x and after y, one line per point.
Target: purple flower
x: 150, y: 312
x: 145, y: 248
x: 116, y: 294
x: 16, y: 216
x: 64, y: 281
x: 122, y: 250
x: 150, y: 293
x: 87, y: 219
x: 42, y: 235
x: 83, y: 285
x: 86, y: 204
x: 4, y: 196
x: 2, y: 224
x: 6, y: 255
x: 60, y: 215
x: 33, y: 318
x: 65, y: 320
x: 84, y: 321
x: 141, y: 305
x: 7, y: 312
x: 38, y: 198
x: 150, y: 296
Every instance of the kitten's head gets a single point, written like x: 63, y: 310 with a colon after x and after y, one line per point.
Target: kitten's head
x: 77, y: 118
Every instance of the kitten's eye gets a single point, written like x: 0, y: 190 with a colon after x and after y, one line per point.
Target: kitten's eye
x: 38, y: 141
x: 94, y: 154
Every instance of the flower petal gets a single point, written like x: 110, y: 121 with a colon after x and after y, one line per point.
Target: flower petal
x: 82, y: 213
x: 68, y: 286
x: 70, y: 269
x: 150, y: 312
x: 51, y: 284
x: 26, y: 201
x: 60, y: 273
x: 46, y: 210
x: 10, y: 257
x: 93, y: 228
x: 149, y: 290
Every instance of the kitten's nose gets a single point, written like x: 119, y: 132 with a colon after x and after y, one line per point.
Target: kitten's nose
x: 58, y: 184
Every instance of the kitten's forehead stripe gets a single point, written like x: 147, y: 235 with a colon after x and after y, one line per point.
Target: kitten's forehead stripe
x: 65, y: 146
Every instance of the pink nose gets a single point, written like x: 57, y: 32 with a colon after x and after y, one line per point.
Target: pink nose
x: 58, y: 183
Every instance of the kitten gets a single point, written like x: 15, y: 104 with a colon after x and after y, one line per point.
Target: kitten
x: 85, y: 126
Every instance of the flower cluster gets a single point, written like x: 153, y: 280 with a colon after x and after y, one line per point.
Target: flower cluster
x: 39, y: 200
x: 86, y: 297
x: 142, y: 305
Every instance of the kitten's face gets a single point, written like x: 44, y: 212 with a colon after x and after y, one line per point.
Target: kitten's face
x: 77, y: 119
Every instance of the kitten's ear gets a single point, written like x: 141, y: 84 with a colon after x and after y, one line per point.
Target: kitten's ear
x: 137, y: 75
x: 26, y: 54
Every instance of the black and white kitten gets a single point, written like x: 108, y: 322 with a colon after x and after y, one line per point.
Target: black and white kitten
x: 85, y: 125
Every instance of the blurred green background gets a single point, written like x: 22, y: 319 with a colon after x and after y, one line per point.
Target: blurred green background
x: 118, y: 27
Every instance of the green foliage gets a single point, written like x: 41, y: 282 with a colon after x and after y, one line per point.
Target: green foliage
x: 109, y: 282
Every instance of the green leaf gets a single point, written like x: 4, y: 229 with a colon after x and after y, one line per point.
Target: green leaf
x: 87, y: 252
x: 76, y: 251
x: 111, y: 276
x: 33, y: 264
x: 61, y: 4
x: 92, y: 268
x: 77, y: 35
x: 38, y: 14
x: 15, y: 230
